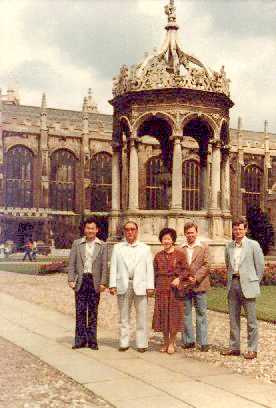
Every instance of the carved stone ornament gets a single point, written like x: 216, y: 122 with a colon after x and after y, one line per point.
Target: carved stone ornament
x: 170, y: 67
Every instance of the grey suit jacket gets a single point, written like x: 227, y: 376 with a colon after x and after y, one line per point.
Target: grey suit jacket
x: 77, y: 259
x: 251, y: 267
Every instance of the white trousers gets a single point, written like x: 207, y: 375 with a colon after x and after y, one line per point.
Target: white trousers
x: 141, y: 305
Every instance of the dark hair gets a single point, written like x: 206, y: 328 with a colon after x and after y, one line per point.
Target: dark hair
x: 90, y: 220
x: 130, y: 222
x: 238, y: 221
x: 168, y: 231
x: 190, y: 224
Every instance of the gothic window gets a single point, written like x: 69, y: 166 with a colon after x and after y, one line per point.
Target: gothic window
x: 157, y: 185
x: 62, y: 180
x: 19, y: 173
x: 190, y: 186
x: 252, y: 183
x: 101, y: 182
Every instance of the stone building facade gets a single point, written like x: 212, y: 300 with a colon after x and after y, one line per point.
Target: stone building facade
x: 166, y: 156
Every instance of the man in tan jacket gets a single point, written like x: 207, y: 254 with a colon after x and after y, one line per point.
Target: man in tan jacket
x: 197, y: 257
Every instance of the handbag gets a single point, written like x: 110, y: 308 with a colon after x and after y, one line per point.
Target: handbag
x: 181, y: 290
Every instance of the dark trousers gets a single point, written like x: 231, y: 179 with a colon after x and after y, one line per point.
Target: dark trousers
x: 87, y: 301
x: 27, y: 254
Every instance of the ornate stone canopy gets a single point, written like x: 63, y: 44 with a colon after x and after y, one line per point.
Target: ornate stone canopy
x: 170, y: 67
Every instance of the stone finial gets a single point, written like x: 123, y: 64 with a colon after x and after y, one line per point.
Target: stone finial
x: 91, y: 104
x: 265, y: 128
x: 43, y: 102
x: 239, y: 123
x: 85, y: 105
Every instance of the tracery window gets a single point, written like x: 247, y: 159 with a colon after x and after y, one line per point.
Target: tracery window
x: 190, y: 185
x: 101, y: 182
x: 62, y: 180
x: 157, y: 185
x: 19, y: 177
x: 252, y: 183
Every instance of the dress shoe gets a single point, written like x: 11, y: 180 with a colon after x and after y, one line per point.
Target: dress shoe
x: 250, y: 355
x: 188, y: 346
x: 123, y: 348
x: 204, y: 348
x: 230, y: 352
x: 93, y: 346
x: 78, y: 346
x: 142, y: 350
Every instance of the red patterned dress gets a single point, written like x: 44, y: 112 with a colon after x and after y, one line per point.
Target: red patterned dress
x: 168, y: 313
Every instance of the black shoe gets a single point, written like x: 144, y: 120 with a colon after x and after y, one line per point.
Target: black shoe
x: 230, y: 352
x: 188, y: 346
x: 93, y: 346
x: 142, y: 350
x: 123, y: 348
x: 78, y: 346
x: 204, y: 348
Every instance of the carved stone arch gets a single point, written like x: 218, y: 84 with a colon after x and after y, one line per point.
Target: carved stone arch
x: 55, y: 149
x: 125, y: 120
x: 157, y: 114
x: 192, y: 156
x: 14, y: 145
x: 201, y: 117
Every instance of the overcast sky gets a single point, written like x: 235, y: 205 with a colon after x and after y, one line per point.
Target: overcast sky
x: 63, y: 47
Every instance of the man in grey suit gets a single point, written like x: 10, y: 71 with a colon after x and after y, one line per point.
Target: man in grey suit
x: 245, y: 266
x: 87, y: 276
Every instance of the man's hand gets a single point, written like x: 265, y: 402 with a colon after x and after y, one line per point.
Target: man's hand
x: 175, y: 282
x: 102, y: 288
x: 150, y: 292
x: 72, y: 285
x: 192, y: 280
x: 113, y: 291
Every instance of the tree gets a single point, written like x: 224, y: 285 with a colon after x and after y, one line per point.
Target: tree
x: 260, y: 227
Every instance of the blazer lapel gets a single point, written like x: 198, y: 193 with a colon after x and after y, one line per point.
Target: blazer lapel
x: 196, y: 251
x: 243, y: 251
x: 96, y: 251
x: 231, y: 253
x: 82, y: 250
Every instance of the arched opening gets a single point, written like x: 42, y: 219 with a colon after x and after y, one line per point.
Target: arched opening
x: 197, y: 175
x: 252, y: 183
x: 101, y: 182
x: 158, y: 169
x: 62, y: 180
x: 191, y: 185
x: 19, y: 177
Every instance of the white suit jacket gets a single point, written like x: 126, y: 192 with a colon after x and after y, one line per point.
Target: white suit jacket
x: 251, y: 266
x: 143, y: 277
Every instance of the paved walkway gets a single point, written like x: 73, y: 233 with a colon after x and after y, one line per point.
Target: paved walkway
x: 128, y: 379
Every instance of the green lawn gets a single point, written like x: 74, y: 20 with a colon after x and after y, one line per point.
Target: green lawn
x: 30, y: 269
x: 39, y: 259
x: 266, y: 303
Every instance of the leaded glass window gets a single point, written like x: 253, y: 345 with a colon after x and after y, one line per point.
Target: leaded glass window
x: 190, y: 185
x: 101, y: 182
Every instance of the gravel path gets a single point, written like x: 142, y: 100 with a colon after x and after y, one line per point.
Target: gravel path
x: 52, y: 291
x: 27, y: 382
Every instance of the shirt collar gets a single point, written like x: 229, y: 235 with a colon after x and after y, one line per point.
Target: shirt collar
x: 196, y: 243
x: 95, y: 241
x: 236, y: 245
x: 135, y: 243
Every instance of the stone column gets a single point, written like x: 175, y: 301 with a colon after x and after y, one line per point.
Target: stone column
x: 116, y: 179
x: 215, y: 187
x: 267, y: 166
x: 239, y: 207
x: 133, y: 190
x: 225, y: 180
x: 176, y: 203
x: 204, y: 182
x: 1, y: 158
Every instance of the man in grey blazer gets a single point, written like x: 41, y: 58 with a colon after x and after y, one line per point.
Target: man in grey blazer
x: 245, y: 266
x: 87, y: 276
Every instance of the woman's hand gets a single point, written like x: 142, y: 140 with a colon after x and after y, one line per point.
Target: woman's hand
x: 175, y: 282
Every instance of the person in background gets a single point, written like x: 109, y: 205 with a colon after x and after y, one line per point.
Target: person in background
x: 28, y: 250
x: 87, y: 276
x: 245, y: 267
x: 34, y: 251
x: 197, y: 256
x: 171, y: 272
x: 132, y: 280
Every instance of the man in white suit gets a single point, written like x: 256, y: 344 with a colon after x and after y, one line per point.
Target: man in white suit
x: 132, y: 279
x: 245, y: 266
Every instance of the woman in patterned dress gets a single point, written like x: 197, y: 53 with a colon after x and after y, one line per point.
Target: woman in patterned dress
x: 171, y: 270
